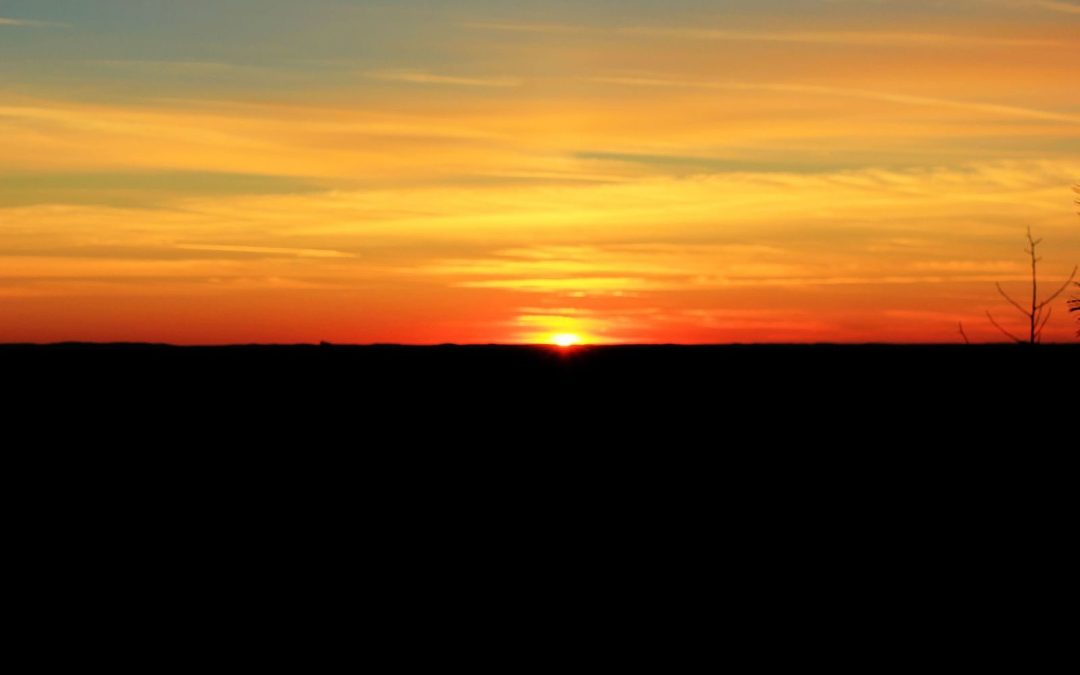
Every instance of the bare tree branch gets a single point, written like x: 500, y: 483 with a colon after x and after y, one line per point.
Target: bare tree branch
x: 1014, y: 303
x: 963, y: 334
x: 1059, y: 291
x: 1039, y: 330
x: 998, y: 326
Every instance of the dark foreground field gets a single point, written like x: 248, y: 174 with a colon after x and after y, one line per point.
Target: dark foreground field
x: 793, y: 452
x: 831, y: 379
x: 506, y: 363
x: 873, y: 411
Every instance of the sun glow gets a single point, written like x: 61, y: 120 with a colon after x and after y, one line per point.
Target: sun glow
x: 566, y: 340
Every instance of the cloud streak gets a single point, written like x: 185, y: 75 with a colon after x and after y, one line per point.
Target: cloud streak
x: 26, y: 23
x: 422, y: 77
x: 854, y: 38
x: 526, y: 27
x: 849, y: 38
x: 1054, y: 6
x: 266, y: 250
x: 885, y: 97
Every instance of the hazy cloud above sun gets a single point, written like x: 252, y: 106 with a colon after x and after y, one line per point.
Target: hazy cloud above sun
x: 405, y: 170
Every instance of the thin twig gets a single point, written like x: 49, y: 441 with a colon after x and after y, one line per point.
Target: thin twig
x: 963, y: 334
x: 1039, y: 330
x: 998, y: 326
x: 1061, y: 290
x: 1014, y: 303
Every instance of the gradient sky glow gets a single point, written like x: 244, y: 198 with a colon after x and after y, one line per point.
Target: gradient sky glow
x: 213, y: 171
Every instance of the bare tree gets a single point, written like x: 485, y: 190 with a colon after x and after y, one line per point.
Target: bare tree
x: 1038, y: 314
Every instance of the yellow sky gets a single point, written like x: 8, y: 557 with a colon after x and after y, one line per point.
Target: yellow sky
x: 802, y: 171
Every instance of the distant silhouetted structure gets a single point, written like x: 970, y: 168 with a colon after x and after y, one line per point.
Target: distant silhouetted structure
x: 1075, y: 302
x: 1039, y: 313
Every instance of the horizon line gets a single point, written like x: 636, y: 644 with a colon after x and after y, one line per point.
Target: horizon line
x: 527, y: 345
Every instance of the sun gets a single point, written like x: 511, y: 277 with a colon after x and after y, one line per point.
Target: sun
x: 566, y: 340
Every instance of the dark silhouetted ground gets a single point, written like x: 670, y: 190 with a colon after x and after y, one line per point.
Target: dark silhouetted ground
x: 901, y: 474
x: 773, y: 383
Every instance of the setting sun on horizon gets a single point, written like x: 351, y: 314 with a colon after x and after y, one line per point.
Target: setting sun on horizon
x: 566, y: 340
x: 549, y: 172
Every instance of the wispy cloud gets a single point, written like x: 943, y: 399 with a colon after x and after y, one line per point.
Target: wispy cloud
x: 194, y: 67
x: 1051, y: 5
x: 267, y: 250
x: 526, y: 27
x: 854, y: 38
x: 886, y: 97
x: 5, y: 21
x: 423, y: 77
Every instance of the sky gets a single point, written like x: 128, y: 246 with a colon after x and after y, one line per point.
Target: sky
x: 698, y: 171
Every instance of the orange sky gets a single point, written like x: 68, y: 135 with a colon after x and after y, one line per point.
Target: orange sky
x: 367, y: 171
